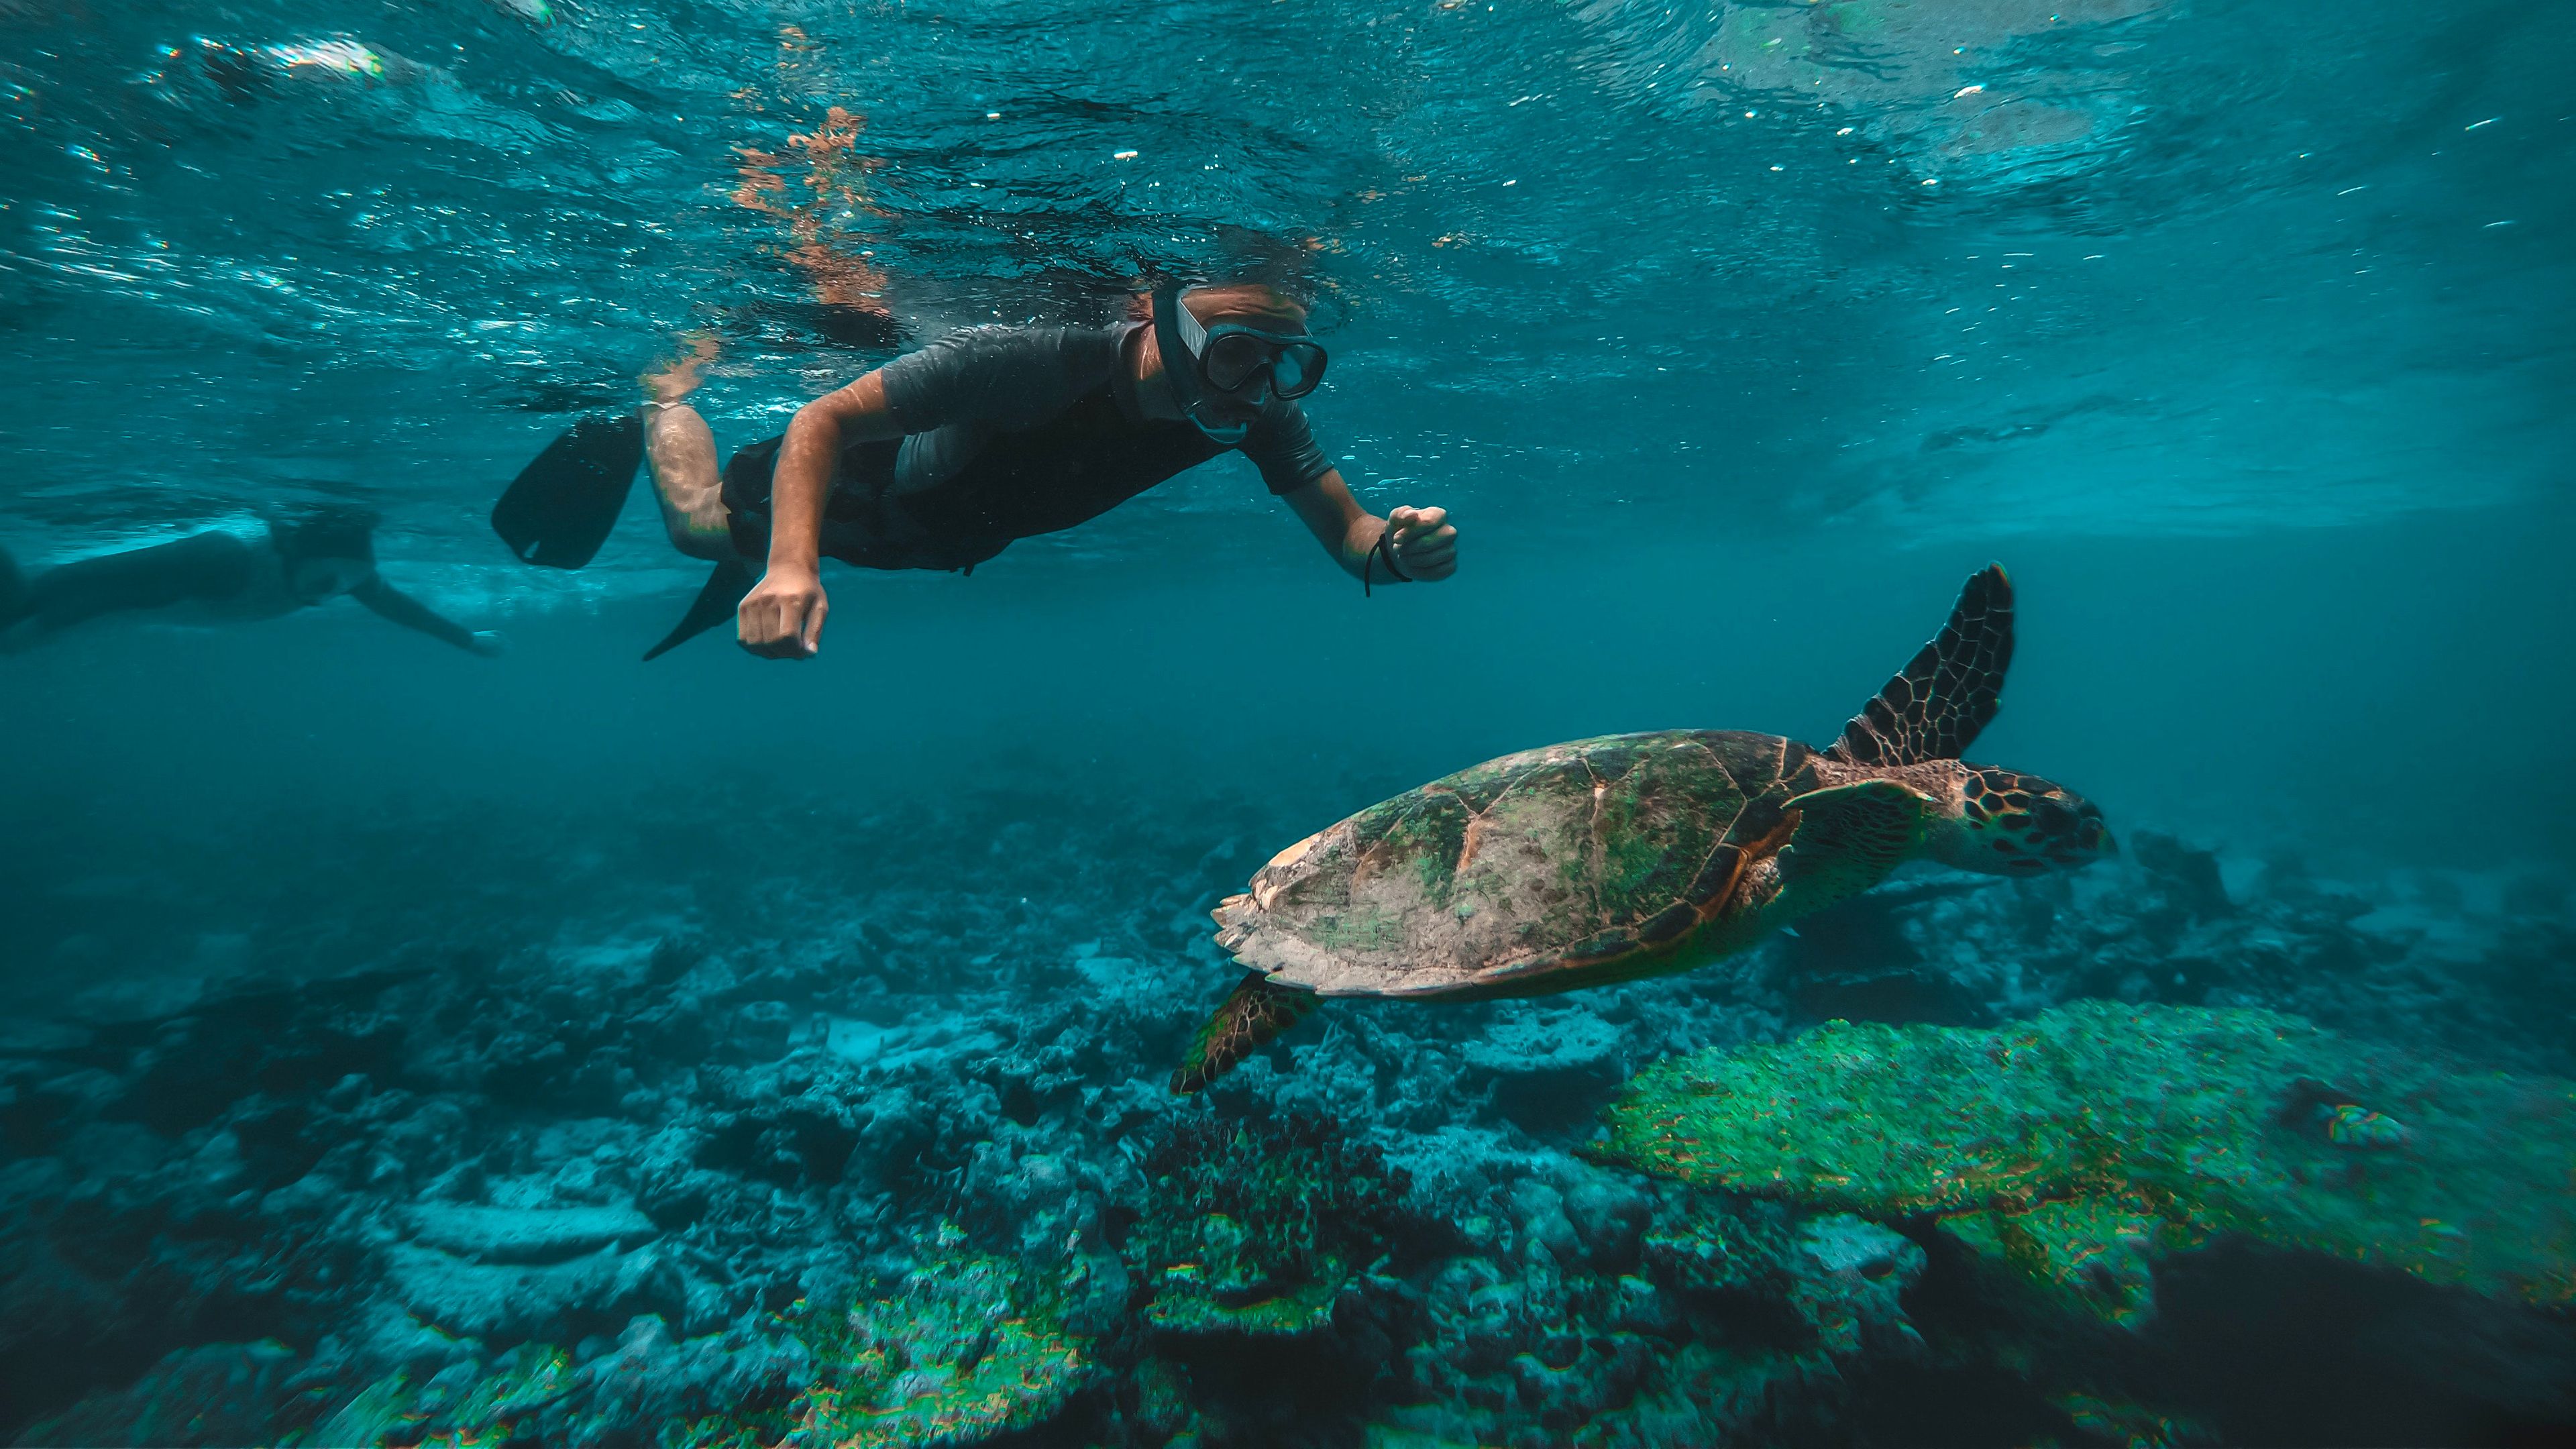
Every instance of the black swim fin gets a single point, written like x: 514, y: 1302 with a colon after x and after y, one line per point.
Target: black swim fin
x: 558, y: 511
x: 714, y: 605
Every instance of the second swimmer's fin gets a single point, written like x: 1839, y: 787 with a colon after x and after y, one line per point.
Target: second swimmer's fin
x: 714, y: 605
x: 558, y: 511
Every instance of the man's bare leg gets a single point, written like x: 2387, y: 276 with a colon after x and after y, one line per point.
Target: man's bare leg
x: 681, y: 450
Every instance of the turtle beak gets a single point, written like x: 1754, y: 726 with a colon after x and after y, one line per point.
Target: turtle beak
x: 2093, y: 841
x: 2070, y: 832
x: 2092, y: 834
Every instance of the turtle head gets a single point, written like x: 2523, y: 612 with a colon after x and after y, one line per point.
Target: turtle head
x: 2000, y: 822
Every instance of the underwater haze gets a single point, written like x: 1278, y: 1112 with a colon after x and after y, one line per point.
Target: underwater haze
x: 403, y: 1046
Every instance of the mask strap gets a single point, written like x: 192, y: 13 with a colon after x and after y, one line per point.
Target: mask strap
x: 1173, y: 326
x: 1193, y: 332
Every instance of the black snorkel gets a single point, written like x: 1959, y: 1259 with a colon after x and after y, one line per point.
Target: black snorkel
x: 1181, y: 369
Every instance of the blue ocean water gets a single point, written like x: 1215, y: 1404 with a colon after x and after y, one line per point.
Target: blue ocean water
x: 407, y: 1045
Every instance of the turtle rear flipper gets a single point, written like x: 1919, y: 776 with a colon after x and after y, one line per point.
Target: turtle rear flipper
x: 1847, y: 839
x: 1253, y: 1013
x: 1936, y: 704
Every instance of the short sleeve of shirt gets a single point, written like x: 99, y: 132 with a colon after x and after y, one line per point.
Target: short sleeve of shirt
x: 1284, y: 449
x: 1004, y: 377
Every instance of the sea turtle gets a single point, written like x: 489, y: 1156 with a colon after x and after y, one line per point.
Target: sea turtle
x: 1609, y: 859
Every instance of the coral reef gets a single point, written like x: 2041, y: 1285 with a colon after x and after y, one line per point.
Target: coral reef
x: 464, y: 1135
x: 2085, y: 1143
x: 958, y: 1355
x: 1256, y: 1228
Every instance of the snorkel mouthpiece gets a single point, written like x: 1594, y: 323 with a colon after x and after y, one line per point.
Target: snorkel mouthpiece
x: 1179, y: 337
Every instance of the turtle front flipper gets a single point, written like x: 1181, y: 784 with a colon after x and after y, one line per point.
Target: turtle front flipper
x: 1934, y: 707
x: 1253, y: 1013
x: 1847, y: 839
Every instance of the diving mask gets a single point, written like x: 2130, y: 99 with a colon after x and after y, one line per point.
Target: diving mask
x: 1243, y: 363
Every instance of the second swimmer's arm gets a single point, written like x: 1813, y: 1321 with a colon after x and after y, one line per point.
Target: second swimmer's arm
x: 411, y: 613
x: 782, y: 617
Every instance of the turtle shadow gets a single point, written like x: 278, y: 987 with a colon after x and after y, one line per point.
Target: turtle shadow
x: 1854, y: 962
x: 2250, y: 1344
x: 2291, y: 1348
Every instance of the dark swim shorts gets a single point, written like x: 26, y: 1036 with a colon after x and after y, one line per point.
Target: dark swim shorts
x: 862, y: 523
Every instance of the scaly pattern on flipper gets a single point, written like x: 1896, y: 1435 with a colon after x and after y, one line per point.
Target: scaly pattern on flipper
x: 1848, y: 838
x: 1253, y: 1013
x: 1936, y: 704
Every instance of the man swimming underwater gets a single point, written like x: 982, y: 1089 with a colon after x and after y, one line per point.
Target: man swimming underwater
x: 307, y: 558
x: 942, y: 457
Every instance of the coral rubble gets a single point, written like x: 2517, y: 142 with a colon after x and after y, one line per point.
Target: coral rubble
x: 1257, y: 1231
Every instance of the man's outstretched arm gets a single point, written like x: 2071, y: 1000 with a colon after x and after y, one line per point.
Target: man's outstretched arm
x: 782, y: 617
x: 411, y: 613
x: 1423, y: 543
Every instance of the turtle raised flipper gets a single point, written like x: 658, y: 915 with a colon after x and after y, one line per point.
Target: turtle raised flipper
x: 1848, y: 838
x: 1253, y: 1013
x: 1936, y: 704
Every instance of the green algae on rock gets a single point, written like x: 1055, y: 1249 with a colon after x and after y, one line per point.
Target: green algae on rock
x: 2129, y: 1425
x: 958, y: 1355
x: 489, y: 1406
x: 1254, y: 1228
x: 1224, y: 1287
x: 2081, y: 1145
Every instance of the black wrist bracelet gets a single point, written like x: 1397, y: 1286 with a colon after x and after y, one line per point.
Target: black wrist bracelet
x: 1382, y: 548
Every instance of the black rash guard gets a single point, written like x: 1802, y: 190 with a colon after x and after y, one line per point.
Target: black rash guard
x: 212, y: 569
x: 1010, y: 432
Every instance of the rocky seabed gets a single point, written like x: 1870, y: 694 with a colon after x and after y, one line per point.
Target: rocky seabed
x: 883, y: 1155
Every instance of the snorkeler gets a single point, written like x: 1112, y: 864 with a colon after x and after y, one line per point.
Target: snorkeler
x: 307, y: 558
x: 943, y: 457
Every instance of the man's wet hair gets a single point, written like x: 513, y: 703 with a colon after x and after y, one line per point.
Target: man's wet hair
x: 1246, y: 301
x: 1253, y: 302
x: 325, y: 530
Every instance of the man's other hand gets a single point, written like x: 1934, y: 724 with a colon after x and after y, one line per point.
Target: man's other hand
x: 1425, y: 545
x: 782, y: 617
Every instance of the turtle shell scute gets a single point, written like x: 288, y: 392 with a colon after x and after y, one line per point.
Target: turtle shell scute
x: 1582, y: 857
